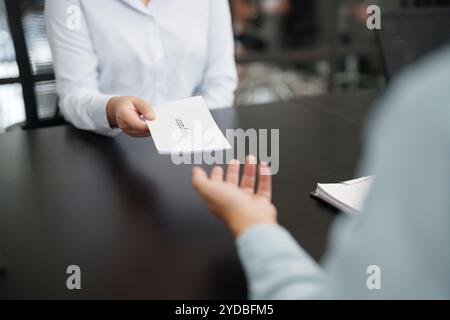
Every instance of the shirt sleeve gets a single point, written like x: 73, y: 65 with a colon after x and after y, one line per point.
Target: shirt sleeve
x: 276, y: 267
x: 220, y: 77
x: 76, y: 67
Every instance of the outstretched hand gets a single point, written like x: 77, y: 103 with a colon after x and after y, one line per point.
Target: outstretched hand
x: 239, y: 205
x: 128, y: 114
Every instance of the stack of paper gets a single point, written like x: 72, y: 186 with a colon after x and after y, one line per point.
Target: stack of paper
x: 348, y: 196
x: 186, y: 126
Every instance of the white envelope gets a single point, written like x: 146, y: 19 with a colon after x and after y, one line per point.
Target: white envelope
x: 186, y: 126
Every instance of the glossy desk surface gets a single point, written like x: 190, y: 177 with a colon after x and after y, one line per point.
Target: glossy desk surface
x: 130, y: 218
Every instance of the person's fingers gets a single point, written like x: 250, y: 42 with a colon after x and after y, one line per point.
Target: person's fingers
x: 217, y: 174
x: 265, y: 181
x: 249, y: 176
x: 137, y: 134
x: 233, y: 172
x: 144, y: 108
x: 130, y: 121
x: 210, y: 191
x: 200, y: 179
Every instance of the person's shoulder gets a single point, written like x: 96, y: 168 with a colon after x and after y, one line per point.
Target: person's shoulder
x: 418, y: 98
x: 426, y: 82
x: 433, y: 67
x: 421, y: 91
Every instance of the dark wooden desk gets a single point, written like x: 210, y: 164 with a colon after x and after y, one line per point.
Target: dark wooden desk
x: 130, y: 218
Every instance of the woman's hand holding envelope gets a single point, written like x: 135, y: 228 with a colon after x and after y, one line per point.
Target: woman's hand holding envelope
x: 240, y: 206
x: 126, y: 113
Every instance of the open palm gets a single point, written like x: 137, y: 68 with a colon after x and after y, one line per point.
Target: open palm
x: 240, y: 206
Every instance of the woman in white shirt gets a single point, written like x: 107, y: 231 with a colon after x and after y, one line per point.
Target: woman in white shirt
x: 115, y: 58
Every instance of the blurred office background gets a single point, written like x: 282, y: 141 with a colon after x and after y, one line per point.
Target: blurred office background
x: 285, y: 49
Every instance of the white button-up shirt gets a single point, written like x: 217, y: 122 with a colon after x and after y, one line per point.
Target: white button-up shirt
x: 169, y: 50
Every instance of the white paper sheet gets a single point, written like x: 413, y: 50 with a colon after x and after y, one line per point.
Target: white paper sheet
x: 348, y: 196
x: 186, y: 126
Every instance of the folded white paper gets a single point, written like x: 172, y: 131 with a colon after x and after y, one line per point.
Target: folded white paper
x: 348, y: 196
x: 186, y: 126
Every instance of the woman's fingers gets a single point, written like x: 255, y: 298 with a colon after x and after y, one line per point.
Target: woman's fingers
x: 128, y: 113
x: 217, y: 174
x: 144, y: 108
x: 265, y: 181
x: 130, y: 122
x: 249, y: 176
x: 233, y: 172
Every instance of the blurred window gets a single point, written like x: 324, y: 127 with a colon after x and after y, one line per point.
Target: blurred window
x: 11, y: 100
x: 41, y: 60
x: 12, y: 110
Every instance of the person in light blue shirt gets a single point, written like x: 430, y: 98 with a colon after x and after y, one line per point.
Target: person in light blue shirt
x: 398, y: 247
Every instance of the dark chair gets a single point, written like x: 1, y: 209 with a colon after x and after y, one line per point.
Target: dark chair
x: 408, y: 35
x: 27, y: 26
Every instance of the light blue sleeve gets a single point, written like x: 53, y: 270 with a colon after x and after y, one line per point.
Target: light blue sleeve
x: 404, y: 229
x: 276, y: 266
